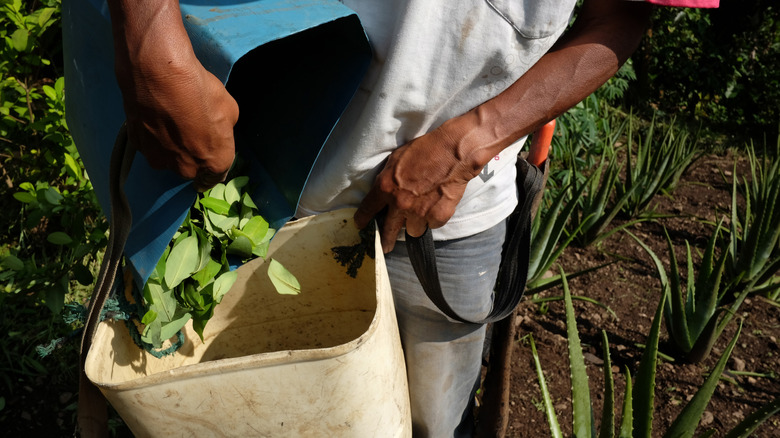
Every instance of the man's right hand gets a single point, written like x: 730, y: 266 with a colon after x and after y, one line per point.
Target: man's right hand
x: 179, y: 115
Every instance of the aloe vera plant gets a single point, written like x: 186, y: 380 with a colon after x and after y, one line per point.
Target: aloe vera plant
x: 549, y: 240
x: 596, y: 205
x: 691, y: 312
x: 754, y: 250
x: 638, y: 399
x: 657, y: 166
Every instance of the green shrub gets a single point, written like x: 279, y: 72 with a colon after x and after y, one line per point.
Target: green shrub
x: 717, y: 66
x: 53, y: 228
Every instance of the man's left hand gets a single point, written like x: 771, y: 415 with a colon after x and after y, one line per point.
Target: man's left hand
x: 420, y: 186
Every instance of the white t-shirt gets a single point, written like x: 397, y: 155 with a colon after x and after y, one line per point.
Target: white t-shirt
x: 433, y: 60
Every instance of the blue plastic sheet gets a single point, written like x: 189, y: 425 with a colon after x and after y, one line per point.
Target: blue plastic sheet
x: 292, y: 65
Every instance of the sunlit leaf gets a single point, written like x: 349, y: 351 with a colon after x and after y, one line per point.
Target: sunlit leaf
x: 222, y: 285
x: 256, y: 229
x: 182, y: 261
x: 49, y: 92
x: 151, y: 334
x: 170, y: 329
x: 161, y: 300
x: 207, y: 274
x: 149, y: 316
x: 21, y: 40
x: 231, y: 193
x: 247, y: 201
x: 73, y: 168
x: 284, y: 281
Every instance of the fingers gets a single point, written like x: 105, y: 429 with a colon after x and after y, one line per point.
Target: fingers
x: 391, y: 219
x: 205, y: 180
x: 369, y: 209
x: 416, y: 226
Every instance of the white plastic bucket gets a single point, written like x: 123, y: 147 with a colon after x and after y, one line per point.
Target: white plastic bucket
x: 326, y: 362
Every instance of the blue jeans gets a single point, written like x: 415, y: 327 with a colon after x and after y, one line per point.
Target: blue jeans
x: 444, y: 357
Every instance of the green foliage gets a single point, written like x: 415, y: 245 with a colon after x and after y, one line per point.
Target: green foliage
x: 754, y: 246
x: 717, y: 66
x: 546, y: 233
x: 656, y: 167
x: 639, y: 397
x: 691, y: 312
x: 615, y: 88
x: 194, y: 273
x: 53, y: 230
x: 597, y: 207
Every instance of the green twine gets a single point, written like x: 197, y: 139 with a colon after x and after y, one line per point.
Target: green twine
x: 117, y: 308
x: 137, y: 309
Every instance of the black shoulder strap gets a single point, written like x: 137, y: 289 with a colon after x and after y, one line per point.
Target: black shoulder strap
x: 515, y: 254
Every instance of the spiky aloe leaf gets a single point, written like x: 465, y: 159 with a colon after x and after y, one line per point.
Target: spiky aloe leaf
x: 690, y: 295
x: 580, y: 390
x: 686, y: 422
x: 746, y: 427
x: 679, y: 318
x: 708, y: 285
x: 675, y: 313
x: 608, y: 411
x: 547, y: 246
x: 762, y: 228
x: 542, y: 284
x: 627, y: 420
x: 644, y: 387
x: 549, y: 409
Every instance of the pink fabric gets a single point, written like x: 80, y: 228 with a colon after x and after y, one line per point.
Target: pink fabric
x: 687, y: 3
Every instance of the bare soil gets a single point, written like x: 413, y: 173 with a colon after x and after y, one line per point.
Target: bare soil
x: 631, y: 288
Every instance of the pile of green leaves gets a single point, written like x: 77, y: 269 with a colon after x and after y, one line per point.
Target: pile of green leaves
x: 221, y: 229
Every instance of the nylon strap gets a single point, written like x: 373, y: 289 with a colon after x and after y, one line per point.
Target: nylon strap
x: 515, y: 254
x: 92, y: 410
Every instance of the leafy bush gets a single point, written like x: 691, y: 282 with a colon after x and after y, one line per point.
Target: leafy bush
x: 52, y: 233
x: 718, y: 66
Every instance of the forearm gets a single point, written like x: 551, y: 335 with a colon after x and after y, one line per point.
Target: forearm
x: 603, y: 37
x: 149, y: 38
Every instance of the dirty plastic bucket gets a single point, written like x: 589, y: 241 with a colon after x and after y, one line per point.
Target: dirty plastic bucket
x: 326, y: 362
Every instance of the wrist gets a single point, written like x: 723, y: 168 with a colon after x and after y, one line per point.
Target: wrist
x: 473, y: 139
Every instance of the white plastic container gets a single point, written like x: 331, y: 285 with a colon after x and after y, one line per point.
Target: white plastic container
x: 326, y: 362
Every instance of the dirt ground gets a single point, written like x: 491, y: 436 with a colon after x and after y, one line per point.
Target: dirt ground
x: 630, y: 287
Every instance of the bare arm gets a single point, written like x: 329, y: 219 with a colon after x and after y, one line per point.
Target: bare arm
x: 424, y: 180
x: 179, y: 115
